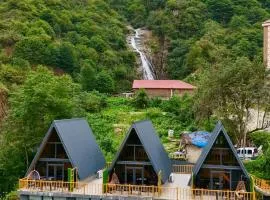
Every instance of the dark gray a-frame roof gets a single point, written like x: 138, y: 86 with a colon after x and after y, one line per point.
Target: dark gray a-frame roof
x: 219, y: 129
x: 153, y: 148
x: 79, y: 143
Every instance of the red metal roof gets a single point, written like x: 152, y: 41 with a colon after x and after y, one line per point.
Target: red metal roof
x: 162, y: 84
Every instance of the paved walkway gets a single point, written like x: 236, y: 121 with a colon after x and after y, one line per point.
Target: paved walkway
x: 179, y: 180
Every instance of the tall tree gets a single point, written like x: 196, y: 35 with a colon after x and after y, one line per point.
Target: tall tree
x: 233, y: 90
x: 43, y: 98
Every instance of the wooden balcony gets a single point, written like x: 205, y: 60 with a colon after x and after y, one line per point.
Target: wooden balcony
x: 139, y: 191
x: 167, y: 191
x: 261, y: 185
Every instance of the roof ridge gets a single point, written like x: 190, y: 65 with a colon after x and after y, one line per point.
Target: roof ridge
x: 71, y: 119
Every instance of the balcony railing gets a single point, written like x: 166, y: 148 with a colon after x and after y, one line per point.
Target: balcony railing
x: 178, y: 169
x: 262, y: 184
x: 130, y: 190
x: 182, y: 169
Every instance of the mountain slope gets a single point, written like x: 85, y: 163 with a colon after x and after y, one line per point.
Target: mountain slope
x: 83, y: 38
x: 199, y: 33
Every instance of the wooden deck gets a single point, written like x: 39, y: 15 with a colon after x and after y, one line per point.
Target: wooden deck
x: 261, y: 185
x: 139, y: 191
x: 176, y: 190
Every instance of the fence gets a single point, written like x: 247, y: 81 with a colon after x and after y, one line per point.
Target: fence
x: 52, y: 186
x: 182, y: 169
x: 131, y: 190
x: 261, y: 184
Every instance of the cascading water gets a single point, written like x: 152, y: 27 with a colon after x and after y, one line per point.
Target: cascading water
x: 146, y: 64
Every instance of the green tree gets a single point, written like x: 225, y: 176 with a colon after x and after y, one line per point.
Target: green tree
x: 141, y: 100
x: 98, y: 44
x: 93, y: 101
x: 221, y: 10
x: 88, y: 76
x: 104, y: 82
x: 232, y: 90
x: 67, y: 59
x: 33, y: 106
x: 31, y: 49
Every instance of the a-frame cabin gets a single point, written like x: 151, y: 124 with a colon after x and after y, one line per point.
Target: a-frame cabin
x: 219, y: 166
x: 141, y: 158
x: 68, y: 143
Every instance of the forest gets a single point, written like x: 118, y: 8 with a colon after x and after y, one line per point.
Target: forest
x: 62, y: 59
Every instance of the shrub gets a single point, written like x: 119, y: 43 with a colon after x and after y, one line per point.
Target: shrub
x: 87, y: 76
x: 20, y: 62
x: 261, y: 138
x: 153, y: 113
x: 141, y: 99
x: 104, y: 82
x: 93, y: 102
x: 32, y: 49
x: 173, y: 105
x: 12, y: 196
x: 155, y: 102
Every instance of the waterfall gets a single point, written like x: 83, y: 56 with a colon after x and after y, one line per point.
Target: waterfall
x: 147, y: 67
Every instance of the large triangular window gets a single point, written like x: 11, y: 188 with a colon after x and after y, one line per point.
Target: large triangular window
x: 221, y: 153
x: 53, y: 161
x: 133, y: 165
x: 133, y: 149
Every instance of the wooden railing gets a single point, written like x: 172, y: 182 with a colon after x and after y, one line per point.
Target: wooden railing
x: 182, y: 169
x: 131, y: 190
x: 54, y: 186
x: 178, y: 156
x: 261, y: 184
x: 178, y: 169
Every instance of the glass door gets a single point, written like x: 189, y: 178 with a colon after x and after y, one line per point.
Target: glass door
x: 220, y: 180
x: 55, y: 171
x: 134, y: 175
x: 139, y: 176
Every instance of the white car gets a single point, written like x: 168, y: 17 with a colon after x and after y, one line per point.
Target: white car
x: 247, y: 152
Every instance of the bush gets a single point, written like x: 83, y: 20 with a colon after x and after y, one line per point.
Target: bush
x: 20, y: 62
x: 141, y: 99
x: 104, y: 82
x: 155, y: 102
x: 32, y: 49
x: 93, y: 102
x: 260, y: 166
x: 261, y: 138
x: 173, y: 105
x: 12, y: 196
x: 87, y: 76
x: 153, y: 113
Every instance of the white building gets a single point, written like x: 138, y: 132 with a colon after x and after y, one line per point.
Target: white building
x: 266, y: 43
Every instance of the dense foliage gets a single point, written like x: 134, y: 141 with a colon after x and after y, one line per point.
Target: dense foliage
x: 44, y: 97
x: 62, y: 59
x: 83, y: 38
x: 260, y: 166
x: 199, y: 33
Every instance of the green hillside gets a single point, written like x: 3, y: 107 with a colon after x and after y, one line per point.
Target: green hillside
x: 200, y: 33
x: 85, y: 39
x: 63, y: 59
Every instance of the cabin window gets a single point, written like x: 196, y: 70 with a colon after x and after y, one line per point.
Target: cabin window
x: 221, y: 154
x: 47, y: 198
x: 35, y: 198
x: 133, y: 165
x: 250, y: 152
x: 54, y: 150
